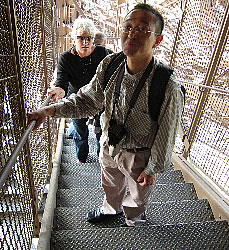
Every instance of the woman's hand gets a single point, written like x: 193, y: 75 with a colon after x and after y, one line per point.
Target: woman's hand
x: 56, y: 92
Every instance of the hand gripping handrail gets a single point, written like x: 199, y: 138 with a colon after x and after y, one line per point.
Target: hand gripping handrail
x: 12, y: 159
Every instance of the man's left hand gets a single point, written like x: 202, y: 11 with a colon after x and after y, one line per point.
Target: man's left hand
x: 146, y: 180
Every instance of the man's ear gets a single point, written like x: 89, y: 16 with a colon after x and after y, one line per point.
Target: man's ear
x: 158, y: 41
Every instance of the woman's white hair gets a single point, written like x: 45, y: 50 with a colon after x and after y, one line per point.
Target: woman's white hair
x: 83, y: 24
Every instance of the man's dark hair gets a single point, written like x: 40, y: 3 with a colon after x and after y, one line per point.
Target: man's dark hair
x: 159, y: 17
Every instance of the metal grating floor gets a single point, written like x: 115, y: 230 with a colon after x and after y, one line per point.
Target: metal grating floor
x: 176, y: 219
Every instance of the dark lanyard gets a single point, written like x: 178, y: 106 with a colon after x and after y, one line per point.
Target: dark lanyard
x: 137, y: 90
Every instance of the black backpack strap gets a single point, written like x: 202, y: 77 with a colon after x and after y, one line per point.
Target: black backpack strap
x: 159, y: 82
x: 114, y: 63
x: 137, y: 90
x: 101, y: 53
x: 183, y: 91
x: 117, y: 88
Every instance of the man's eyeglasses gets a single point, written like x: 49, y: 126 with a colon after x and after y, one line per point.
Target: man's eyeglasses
x: 137, y: 30
x: 82, y: 38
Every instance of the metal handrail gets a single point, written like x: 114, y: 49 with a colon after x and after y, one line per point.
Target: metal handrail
x: 13, y: 157
x: 224, y: 91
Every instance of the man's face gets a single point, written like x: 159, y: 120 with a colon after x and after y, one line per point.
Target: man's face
x: 84, y: 43
x: 138, y: 43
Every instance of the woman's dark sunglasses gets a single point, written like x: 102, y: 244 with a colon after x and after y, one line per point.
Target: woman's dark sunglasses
x: 82, y: 38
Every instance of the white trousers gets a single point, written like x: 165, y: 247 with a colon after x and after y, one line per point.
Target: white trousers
x: 118, y: 173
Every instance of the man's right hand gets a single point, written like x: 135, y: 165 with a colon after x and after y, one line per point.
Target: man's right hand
x: 56, y: 92
x: 40, y: 115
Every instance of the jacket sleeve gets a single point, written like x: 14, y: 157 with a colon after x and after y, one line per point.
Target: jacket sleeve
x: 168, y: 122
x: 63, y: 76
x: 88, y: 101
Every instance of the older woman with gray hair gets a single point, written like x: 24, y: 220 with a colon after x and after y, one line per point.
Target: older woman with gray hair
x: 76, y: 67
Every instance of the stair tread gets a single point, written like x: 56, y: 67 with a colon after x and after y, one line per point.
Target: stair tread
x: 198, y: 235
x: 71, y: 181
x: 158, y: 213
x: 176, y: 219
x: 79, y: 168
x: 67, y: 168
x: 160, y: 193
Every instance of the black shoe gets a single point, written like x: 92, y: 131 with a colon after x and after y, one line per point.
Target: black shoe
x: 68, y: 137
x: 82, y: 161
x: 124, y: 225
x: 98, y: 216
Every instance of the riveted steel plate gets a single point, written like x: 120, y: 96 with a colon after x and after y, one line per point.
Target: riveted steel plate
x: 172, y: 192
x: 80, y: 197
x: 80, y: 168
x: 157, y: 214
x: 160, y: 193
x: 175, y: 212
x: 72, y: 218
x: 170, y: 177
x: 74, y: 181
x: 204, y: 235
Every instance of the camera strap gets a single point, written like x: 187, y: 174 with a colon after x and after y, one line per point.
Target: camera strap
x: 137, y: 90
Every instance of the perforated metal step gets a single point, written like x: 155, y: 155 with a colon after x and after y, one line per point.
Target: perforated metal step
x: 91, y: 139
x: 160, y: 193
x: 170, y: 177
x: 76, y: 181
x: 204, y: 235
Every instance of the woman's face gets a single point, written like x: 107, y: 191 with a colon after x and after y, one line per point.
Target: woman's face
x: 84, y: 43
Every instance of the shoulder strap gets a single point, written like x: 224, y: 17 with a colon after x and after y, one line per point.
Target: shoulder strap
x: 183, y: 91
x: 136, y: 91
x: 139, y: 87
x: 115, y: 62
x: 159, y: 82
x: 101, y: 52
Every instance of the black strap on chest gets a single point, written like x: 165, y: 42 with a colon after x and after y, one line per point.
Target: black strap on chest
x: 136, y: 91
x: 158, y: 85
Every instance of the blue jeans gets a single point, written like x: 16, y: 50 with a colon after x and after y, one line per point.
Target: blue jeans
x: 70, y: 131
x: 81, y: 139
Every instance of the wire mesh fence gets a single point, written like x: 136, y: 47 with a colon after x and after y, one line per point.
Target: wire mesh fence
x: 27, y: 62
x: 200, y: 62
x: 29, y: 47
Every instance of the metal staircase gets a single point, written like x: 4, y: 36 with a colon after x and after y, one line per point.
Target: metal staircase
x: 176, y: 218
